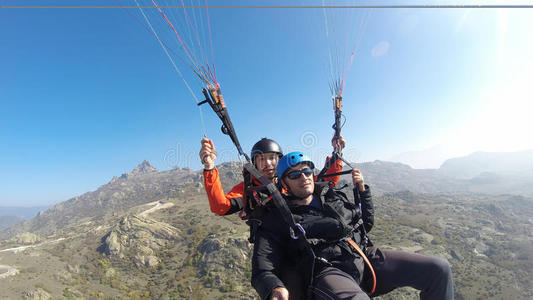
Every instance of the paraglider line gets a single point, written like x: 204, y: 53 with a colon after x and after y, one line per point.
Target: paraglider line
x: 152, y: 32
x: 183, y: 45
x: 210, y: 40
x: 197, y: 39
x: 175, y: 67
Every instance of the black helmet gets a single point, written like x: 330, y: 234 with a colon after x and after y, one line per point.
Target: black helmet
x: 266, y: 145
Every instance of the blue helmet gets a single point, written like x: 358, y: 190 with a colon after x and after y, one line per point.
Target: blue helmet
x: 292, y: 159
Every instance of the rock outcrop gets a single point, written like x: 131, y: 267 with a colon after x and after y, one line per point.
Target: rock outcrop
x: 26, y: 238
x: 38, y: 294
x: 222, y: 258
x: 139, y: 238
x: 143, y: 168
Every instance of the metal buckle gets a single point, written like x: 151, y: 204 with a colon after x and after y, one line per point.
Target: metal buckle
x: 292, y: 233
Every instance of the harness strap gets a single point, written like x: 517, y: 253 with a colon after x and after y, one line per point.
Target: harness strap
x: 338, y: 173
x: 354, y: 245
x: 367, y: 262
x: 296, y: 230
x: 247, y: 185
x: 278, y: 200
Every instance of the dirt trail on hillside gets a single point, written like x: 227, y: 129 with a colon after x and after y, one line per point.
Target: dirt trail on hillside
x: 6, y: 271
x: 157, y: 206
x: 22, y: 248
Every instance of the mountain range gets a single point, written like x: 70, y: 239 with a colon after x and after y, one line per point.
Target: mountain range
x: 479, y: 172
x: 500, y: 163
x: 149, y: 234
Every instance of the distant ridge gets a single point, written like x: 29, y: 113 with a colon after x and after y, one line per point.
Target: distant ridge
x: 504, y: 163
x: 7, y: 221
x: 22, y: 212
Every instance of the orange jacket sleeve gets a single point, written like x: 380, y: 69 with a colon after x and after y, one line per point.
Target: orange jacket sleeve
x: 219, y: 203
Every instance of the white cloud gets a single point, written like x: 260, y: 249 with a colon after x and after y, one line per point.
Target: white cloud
x: 380, y: 49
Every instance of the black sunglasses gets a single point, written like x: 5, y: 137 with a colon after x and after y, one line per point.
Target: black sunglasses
x: 296, y: 174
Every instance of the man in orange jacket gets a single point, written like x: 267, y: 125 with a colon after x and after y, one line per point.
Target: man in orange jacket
x: 265, y: 155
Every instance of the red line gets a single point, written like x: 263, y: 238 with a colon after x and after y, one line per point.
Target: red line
x: 210, y: 41
x: 183, y: 45
x: 152, y: 33
x: 196, y: 35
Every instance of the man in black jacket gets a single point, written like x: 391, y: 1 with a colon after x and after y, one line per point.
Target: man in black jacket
x: 326, y: 263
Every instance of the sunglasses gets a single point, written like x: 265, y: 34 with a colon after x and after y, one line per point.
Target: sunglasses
x: 296, y: 174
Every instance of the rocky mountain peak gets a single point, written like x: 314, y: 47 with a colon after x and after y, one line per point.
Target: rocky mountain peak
x: 143, y: 168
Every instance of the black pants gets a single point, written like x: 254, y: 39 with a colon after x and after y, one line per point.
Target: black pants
x: 431, y: 275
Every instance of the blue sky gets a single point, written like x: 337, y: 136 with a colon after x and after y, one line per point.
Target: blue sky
x: 87, y: 94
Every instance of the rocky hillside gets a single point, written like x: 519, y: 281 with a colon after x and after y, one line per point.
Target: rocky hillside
x: 144, y: 184
x: 139, y: 238
x: 170, y: 248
